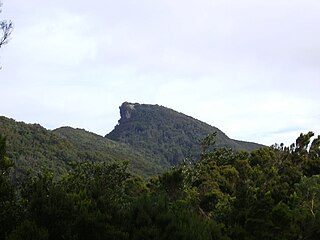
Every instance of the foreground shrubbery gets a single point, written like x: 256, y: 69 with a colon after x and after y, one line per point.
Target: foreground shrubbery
x: 272, y: 193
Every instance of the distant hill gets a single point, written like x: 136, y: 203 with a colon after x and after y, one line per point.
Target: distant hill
x: 93, y: 147
x: 166, y: 135
x: 33, y: 147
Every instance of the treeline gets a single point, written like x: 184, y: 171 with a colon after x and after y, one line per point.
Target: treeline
x: 271, y: 193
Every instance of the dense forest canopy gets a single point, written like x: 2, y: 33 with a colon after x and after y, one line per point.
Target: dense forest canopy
x: 270, y: 193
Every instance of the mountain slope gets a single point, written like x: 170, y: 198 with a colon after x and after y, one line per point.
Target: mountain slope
x: 33, y: 147
x: 166, y: 135
x: 93, y: 147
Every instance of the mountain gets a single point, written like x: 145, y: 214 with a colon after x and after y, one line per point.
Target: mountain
x: 151, y: 137
x: 167, y: 136
x: 33, y: 147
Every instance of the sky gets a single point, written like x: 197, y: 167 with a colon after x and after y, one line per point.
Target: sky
x: 249, y: 67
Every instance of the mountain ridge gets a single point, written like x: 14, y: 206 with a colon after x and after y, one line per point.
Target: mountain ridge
x: 164, y: 132
x: 152, y: 138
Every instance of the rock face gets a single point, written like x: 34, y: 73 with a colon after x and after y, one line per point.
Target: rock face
x: 126, y: 110
x: 167, y: 136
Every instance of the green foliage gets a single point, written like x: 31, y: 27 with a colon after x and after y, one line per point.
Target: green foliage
x: 87, y: 203
x: 28, y: 230
x: 8, y: 205
x: 271, y: 193
x: 308, y: 197
x: 208, y: 142
x: 92, y: 147
x: 156, y: 217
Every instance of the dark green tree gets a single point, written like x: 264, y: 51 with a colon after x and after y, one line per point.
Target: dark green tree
x: 8, y: 207
x: 308, y: 208
x: 28, y: 230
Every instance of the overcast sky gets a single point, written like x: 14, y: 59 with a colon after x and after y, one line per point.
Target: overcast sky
x: 249, y: 67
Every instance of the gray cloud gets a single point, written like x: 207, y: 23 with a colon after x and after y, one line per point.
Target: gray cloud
x: 250, y: 68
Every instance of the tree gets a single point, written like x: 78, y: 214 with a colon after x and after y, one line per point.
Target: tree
x: 308, y: 207
x: 8, y: 213
x: 6, y: 27
x: 28, y: 230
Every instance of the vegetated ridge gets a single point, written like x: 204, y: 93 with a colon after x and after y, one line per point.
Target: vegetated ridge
x: 32, y: 147
x: 152, y: 138
x: 167, y: 135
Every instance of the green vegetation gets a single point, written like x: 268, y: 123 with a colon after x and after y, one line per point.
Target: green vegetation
x: 166, y: 136
x: 79, y: 187
x: 95, y: 148
x: 32, y: 147
x: 270, y: 193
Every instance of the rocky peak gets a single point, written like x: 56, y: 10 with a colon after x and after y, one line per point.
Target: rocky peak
x: 126, y: 110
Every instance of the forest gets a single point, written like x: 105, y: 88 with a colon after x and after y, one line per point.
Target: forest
x: 269, y: 193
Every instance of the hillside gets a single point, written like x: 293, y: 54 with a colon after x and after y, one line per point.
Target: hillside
x: 33, y: 147
x: 93, y: 147
x: 167, y: 135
